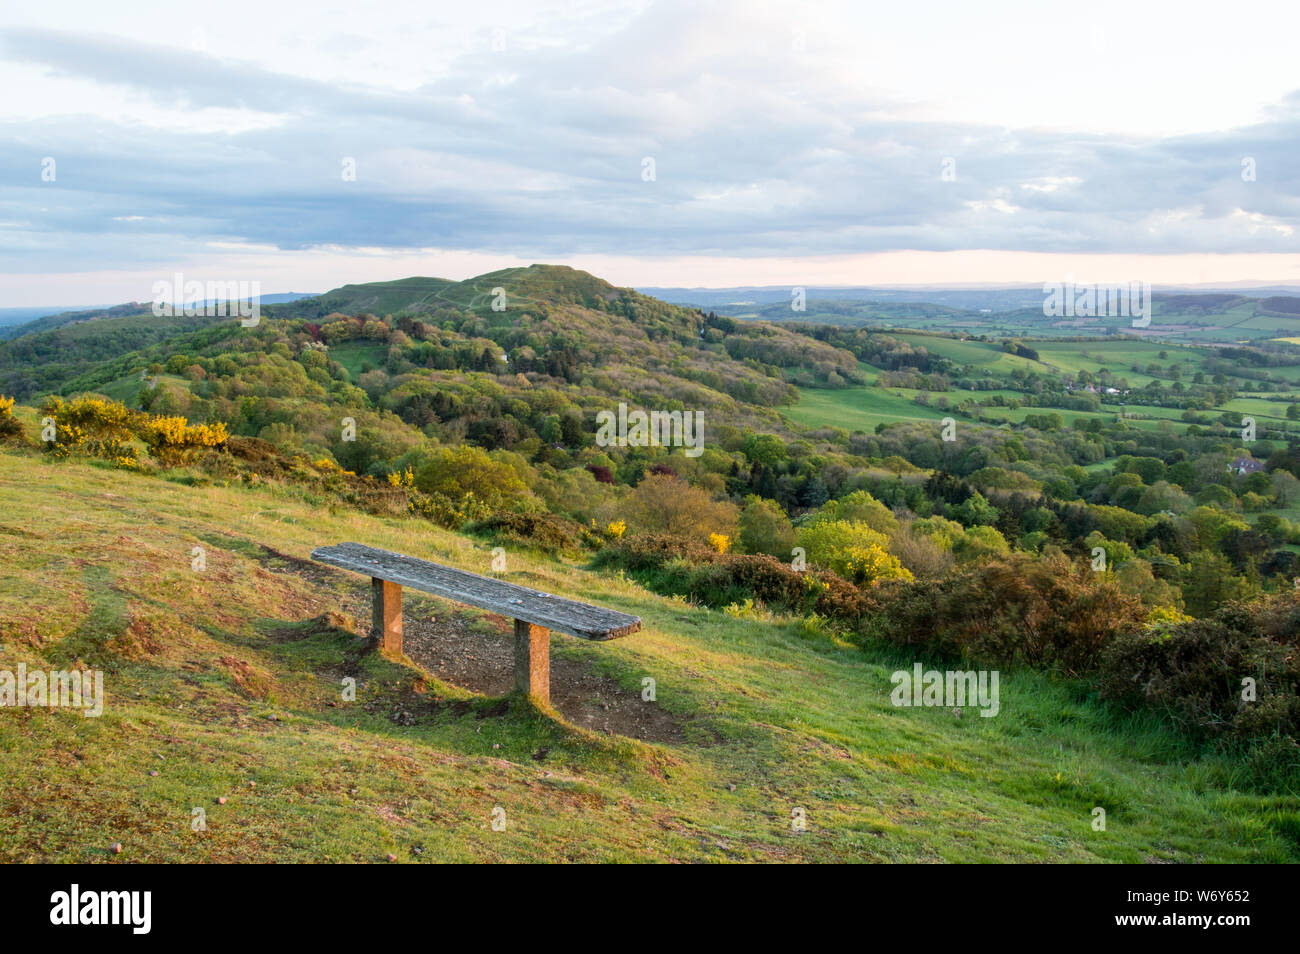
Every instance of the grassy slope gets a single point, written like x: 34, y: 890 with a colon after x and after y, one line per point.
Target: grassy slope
x: 856, y: 409
x: 95, y: 565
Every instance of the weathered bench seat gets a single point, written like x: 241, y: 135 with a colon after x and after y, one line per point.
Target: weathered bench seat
x: 535, y: 613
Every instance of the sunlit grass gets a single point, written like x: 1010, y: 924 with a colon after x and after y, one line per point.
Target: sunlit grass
x: 220, y: 683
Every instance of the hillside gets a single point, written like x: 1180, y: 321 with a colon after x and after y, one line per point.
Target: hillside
x: 20, y: 321
x: 224, y: 694
x: 561, y: 343
x: 1110, y: 523
x: 41, y: 360
x: 35, y: 321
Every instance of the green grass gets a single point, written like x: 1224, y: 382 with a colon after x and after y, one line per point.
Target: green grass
x: 856, y: 409
x: 353, y: 355
x: 95, y: 567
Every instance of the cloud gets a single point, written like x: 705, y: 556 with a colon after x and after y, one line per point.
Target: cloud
x: 763, y: 145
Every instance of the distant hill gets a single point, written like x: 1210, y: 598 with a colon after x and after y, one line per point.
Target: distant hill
x: 993, y: 299
x: 27, y: 321
x: 18, y: 316
x: 734, y: 299
x: 48, y: 322
x: 1178, y: 315
x: 421, y: 296
x: 502, y: 358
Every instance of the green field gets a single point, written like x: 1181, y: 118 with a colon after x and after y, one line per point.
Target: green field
x: 856, y: 409
x: 354, y: 354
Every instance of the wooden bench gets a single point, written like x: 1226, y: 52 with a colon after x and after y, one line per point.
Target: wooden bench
x: 535, y: 613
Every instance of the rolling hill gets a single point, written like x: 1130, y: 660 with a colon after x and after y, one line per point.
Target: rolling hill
x: 465, y: 420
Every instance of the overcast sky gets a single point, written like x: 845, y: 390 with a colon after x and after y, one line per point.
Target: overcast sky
x: 811, y: 143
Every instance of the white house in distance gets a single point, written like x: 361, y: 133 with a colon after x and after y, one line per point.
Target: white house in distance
x: 1245, y: 465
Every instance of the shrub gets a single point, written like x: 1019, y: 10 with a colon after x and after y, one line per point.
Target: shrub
x: 921, y: 555
x: 88, y: 419
x: 468, y: 480
x: 104, y: 428
x: 664, y: 504
x: 1045, y: 612
x: 764, y: 528
x: 851, y: 549
x: 445, y: 512
x: 690, y: 569
x: 547, y: 532
x: 9, y: 425
x: 1193, y: 670
x: 173, y: 439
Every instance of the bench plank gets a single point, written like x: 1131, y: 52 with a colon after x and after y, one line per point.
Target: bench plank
x: 519, y: 602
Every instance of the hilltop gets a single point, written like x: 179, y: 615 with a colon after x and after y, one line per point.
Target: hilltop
x: 534, y: 284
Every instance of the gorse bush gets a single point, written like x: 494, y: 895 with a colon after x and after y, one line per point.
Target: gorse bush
x: 851, y: 549
x: 160, y: 432
x: 701, y: 573
x: 544, y: 531
x: 95, y: 427
x: 449, y: 513
x: 9, y: 425
x: 103, y: 428
x: 174, y: 439
x: 1231, y: 677
x: 1047, y: 612
x: 94, y: 417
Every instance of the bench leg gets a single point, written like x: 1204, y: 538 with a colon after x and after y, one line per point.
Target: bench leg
x: 386, y: 620
x: 533, y: 661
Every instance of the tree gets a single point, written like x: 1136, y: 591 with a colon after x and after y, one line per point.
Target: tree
x: 979, y: 543
x: 1216, y: 495
x: 551, y: 432
x: 863, y: 507
x: 663, y: 503
x: 813, y: 493
x: 464, y: 471
x: 1209, y: 582
x: 766, y: 449
x: 1284, y: 486
x: 764, y: 528
x: 1163, y: 496
x: 975, y: 511
x: 944, y: 532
